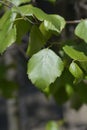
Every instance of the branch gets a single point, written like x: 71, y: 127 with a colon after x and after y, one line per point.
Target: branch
x: 67, y: 22
x: 73, y: 22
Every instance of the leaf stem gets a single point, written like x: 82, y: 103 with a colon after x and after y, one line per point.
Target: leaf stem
x: 17, y: 19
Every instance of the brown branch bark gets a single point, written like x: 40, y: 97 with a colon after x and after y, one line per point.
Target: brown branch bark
x: 73, y: 22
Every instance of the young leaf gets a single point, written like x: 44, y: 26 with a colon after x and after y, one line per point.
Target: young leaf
x: 76, y: 71
x: 44, y: 67
x: 74, y: 54
x: 81, y: 30
x: 36, y: 41
x: 54, y: 23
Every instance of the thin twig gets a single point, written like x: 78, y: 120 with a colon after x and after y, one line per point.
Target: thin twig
x: 26, y: 18
x: 73, y: 22
x: 5, y: 4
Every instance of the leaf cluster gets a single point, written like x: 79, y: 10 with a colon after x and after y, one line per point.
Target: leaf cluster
x: 60, y: 73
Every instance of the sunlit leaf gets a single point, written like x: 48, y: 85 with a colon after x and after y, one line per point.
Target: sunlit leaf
x: 76, y: 71
x: 74, y: 54
x: 7, y: 31
x: 7, y: 18
x: 7, y: 38
x: 54, y: 23
x: 44, y: 67
x: 81, y: 30
x: 29, y: 10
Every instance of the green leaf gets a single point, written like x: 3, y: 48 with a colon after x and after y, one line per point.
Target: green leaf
x: 53, y: 23
x: 7, y: 18
x: 36, y: 41
x: 76, y: 71
x: 81, y: 90
x: 84, y: 66
x: 69, y: 89
x: 44, y: 67
x: 65, y: 79
x: 81, y: 30
x: 18, y: 2
x: 61, y: 95
x: 74, y: 54
x: 29, y: 10
x: 75, y: 101
x: 7, y: 31
x: 46, y: 33
x: 62, y: 88
x: 7, y: 38
x: 22, y: 27
x: 51, y: 125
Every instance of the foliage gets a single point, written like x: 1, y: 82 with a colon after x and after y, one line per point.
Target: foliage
x: 51, y: 125
x: 59, y: 72
x: 54, y: 125
x: 81, y: 30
